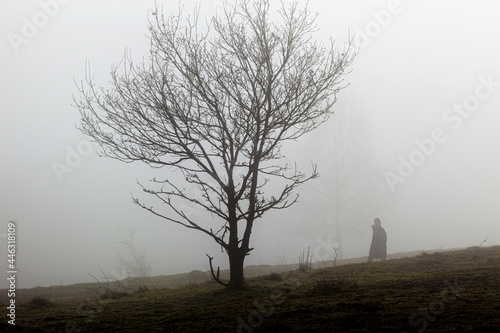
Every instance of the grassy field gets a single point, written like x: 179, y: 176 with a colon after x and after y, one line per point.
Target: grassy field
x: 453, y: 291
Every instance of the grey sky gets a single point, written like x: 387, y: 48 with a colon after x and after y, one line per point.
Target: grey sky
x: 427, y: 70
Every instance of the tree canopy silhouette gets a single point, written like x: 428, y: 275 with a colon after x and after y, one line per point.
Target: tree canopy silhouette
x: 217, y: 103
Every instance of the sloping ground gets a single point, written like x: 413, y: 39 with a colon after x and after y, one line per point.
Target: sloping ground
x: 81, y: 291
x: 457, y: 291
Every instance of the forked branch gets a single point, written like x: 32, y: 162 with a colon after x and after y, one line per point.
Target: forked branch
x: 216, y: 277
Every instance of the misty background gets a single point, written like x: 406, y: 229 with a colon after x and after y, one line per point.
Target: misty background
x: 426, y: 70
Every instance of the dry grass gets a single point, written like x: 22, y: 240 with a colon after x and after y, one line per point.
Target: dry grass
x: 274, y: 276
x: 454, y: 291
x: 40, y: 301
x: 143, y: 288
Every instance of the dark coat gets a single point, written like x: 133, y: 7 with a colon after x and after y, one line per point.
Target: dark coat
x: 378, y: 249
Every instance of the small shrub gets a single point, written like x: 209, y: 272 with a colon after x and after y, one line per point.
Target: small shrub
x: 274, y: 276
x: 305, y: 261
x: 484, y: 241
x: 143, y: 288
x: 304, y: 267
x: 40, y: 301
x: 105, y: 292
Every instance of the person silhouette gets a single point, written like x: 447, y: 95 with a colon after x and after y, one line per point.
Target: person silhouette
x: 378, y: 247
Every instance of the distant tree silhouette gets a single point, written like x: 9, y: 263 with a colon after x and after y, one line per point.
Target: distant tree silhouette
x: 348, y: 195
x: 217, y: 104
x: 134, y: 261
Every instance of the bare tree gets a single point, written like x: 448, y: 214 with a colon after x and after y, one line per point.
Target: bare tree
x: 216, y: 104
x: 135, y: 260
x: 347, y: 196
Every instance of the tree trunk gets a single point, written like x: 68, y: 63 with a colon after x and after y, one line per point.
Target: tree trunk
x: 236, y: 262
x: 338, y: 229
x: 338, y: 234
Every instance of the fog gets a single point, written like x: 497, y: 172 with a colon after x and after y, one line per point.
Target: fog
x: 423, y: 104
